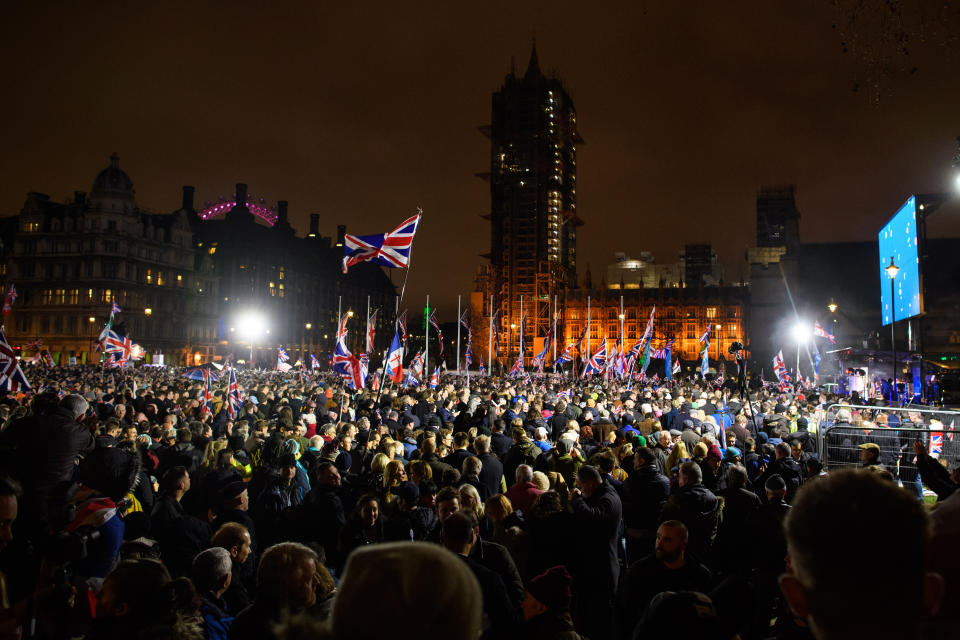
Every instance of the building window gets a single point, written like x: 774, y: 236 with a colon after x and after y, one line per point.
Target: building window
x: 281, y: 290
x: 711, y: 312
x: 60, y: 296
x: 160, y: 281
x: 149, y: 276
x: 691, y: 332
x: 273, y: 289
x: 106, y: 296
x: 733, y: 329
x: 74, y: 296
x: 179, y: 279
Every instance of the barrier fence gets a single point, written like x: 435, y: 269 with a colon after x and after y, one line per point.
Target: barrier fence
x: 845, y: 427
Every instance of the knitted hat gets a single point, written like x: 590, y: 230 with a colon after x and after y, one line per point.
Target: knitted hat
x: 730, y: 453
x: 552, y: 588
x: 409, y: 493
x: 392, y: 575
x: 775, y: 483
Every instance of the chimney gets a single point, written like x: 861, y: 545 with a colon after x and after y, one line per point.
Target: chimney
x: 241, y: 194
x: 282, y: 213
x: 341, y: 231
x: 314, y: 225
x: 187, y: 201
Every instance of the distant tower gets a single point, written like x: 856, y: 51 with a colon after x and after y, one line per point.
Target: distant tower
x: 778, y: 219
x: 533, y: 193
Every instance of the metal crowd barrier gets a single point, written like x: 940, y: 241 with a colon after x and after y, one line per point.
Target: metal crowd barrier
x: 839, y: 442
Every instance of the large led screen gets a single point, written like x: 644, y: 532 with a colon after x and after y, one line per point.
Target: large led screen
x: 898, y: 239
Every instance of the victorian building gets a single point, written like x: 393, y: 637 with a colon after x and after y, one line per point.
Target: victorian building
x: 182, y: 280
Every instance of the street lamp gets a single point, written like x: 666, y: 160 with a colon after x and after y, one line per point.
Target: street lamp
x: 892, y: 271
x: 801, y: 332
x: 251, y: 325
x: 832, y: 306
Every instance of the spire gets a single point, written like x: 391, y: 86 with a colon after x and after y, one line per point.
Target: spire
x: 533, y: 67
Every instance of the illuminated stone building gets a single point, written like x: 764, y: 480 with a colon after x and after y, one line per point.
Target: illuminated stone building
x: 70, y: 261
x: 181, y: 278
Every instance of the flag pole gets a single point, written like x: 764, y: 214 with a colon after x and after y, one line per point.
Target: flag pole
x: 554, y: 330
x: 490, y: 333
x: 426, y: 339
x: 458, y: 334
x: 336, y: 336
x: 366, y: 331
x: 520, y: 345
x: 587, y: 336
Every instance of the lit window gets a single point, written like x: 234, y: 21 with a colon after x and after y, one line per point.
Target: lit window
x: 213, y: 250
x: 149, y: 276
x: 711, y: 312
x: 179, y: 279
x: 160, y: 281
x: 273, y: 289
x: 281, y: 290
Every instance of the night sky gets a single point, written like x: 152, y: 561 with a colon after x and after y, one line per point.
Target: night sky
x: 362, y: 113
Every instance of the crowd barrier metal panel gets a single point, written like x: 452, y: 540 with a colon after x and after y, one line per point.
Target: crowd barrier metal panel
x: 839, y: 444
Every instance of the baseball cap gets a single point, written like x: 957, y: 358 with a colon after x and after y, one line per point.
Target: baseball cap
x: 869, y: 445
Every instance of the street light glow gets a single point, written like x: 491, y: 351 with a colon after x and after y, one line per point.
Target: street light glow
x: 956, y: 183
x: 251, y: 324
x: 801, y: 332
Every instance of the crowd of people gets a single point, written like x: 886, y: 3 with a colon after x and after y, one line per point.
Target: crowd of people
x: 550, y: 508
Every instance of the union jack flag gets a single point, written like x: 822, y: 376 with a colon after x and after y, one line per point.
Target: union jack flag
x: 705, y: 337
x: 648, y: 332
x: 402, y: 323
x: 11, y: 376
x: 541, y: 358
x: 780, y: 371
x: 115, y: 308
x: 389, y: 249
x: 465, y: 321
x: 597, y: 361
x: 206, y: 405
x: 483, y: 370
x: 819, y: 331
x: 468, y: 359
x: 936, y: 444
x: 436, y: 325
x: 371, y: 330
x: 342, y: 329
x: 116, y: 361
x: 282, y: 355
x: 517, y: 367
x: 661, y: 353
x: 416, y: 365
x: 435, y: 378
x: 122, y: 346
x: 234, y: 402
x: 35, y: 344
x: 347, y: 365
x: 314, y: 363
x: 8, y: 302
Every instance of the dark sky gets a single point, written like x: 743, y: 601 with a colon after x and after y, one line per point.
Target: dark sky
x: 363, y: 113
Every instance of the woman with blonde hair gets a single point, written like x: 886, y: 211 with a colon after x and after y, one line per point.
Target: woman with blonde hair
x: 393, y: 476
x: 419, y: 470
x: 210, y: 456
x: 507, y: 528
x: 677, y: 455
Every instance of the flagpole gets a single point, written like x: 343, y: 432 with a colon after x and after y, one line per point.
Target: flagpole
x: 521, y: 330
x: 426, y: 339
x: 554, y: 330
x: 490, y: 333
x: 366, y: 329
x: 588, y: 334
x: 458, y: 334
x: 336, y: 334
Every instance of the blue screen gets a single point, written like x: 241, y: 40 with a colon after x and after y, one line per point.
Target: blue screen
x: 898, y: 238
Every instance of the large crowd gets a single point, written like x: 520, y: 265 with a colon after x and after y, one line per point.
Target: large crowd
x: 550, y: 508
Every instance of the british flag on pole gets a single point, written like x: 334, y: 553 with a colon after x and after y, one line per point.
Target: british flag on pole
x: 388, y: 249
x: 11, y: 376
x: 234, y: 403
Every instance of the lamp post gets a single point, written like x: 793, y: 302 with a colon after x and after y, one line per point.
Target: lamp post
x: 801, y: 332
x: 892, y: 271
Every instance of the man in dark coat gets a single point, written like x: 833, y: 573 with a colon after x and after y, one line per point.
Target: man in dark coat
x: 739, y: 503
x: 500, y: 443
x: 181, y: 535
x: 42, y: 451
x: 786, y: 467
x: 644, y: 493
x: 696, y: 507
x: 596, y: 514
x: 491, y: 471
x: 321, y: 517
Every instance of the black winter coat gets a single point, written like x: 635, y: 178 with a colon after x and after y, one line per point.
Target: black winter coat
x: 597, y: 525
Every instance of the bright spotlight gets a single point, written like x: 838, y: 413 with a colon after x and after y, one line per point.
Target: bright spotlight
x: 251, y: 324
x: 801, y: 332
x: 957, y: 183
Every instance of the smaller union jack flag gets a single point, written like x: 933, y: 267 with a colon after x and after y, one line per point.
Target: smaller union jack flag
x: 11, y: 376
x: 936, y: 444
x: 820, y: 332
x: 483, y: 370
x: 468, y: 358
x: 115, y: 308
x: 597, y: 361
x: 314, y: 363
x: 435, y: 378
x: 234, y: 402
x: 348, y: 365
x: 705, y: 337
x: 8, y: 302
x: 35, y: 344
x: 517, y: 367
x: 282, y: 355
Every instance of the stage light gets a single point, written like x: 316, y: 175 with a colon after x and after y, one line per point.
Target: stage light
x: 801, y: 332
x: 251, y: 324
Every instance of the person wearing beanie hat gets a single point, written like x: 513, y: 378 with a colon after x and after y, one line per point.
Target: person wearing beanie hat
x: 410, y: 522
x: 546, y: 607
